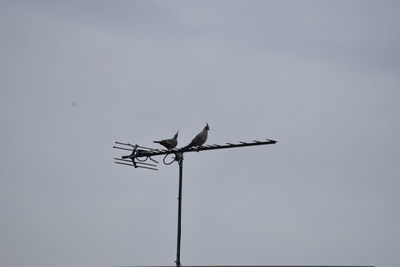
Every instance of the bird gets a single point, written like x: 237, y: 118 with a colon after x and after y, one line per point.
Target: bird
x: 200, y: 138
x: 169, y: 143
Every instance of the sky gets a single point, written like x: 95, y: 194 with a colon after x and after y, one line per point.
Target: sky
x: 320, y: 77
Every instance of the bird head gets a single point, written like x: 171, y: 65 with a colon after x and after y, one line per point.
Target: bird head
x: 207, y: 127
x: 176, y: 135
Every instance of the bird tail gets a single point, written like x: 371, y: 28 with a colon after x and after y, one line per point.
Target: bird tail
x: 158, y: 142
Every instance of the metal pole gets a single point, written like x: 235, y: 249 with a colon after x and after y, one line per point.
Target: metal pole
x: 179, y: 158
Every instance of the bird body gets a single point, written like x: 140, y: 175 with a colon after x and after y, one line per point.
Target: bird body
x: 200, y: 138
x: 169, y: 143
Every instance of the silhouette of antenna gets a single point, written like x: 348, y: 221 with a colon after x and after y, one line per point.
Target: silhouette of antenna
x: 142, y: 157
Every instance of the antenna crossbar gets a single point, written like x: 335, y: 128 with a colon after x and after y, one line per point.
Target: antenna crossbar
x: 148, y: 152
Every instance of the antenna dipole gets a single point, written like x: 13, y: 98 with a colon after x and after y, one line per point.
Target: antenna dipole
x: 141, y: 156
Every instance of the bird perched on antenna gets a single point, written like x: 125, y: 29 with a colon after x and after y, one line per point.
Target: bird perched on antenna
x: 200, y: 138
x: 169, y: 143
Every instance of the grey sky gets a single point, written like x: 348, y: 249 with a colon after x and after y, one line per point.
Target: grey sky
x: 321, y: 77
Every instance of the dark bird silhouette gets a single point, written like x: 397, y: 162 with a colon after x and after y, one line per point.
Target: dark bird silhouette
x: 200, y: 138
x: 169, y: 143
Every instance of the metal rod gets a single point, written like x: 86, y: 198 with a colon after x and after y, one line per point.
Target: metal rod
x: 154, y: 169
x: 136, y: 162
x: 146, y: 164
x: 123, y: 148
x: 123, y: 163
x: 127, y: 160
x: 153, y: 160
x: 137, y: 166
x: 125, y: 144
x: 179, y: 158
x: 202, y: 148
x: 135, y: 146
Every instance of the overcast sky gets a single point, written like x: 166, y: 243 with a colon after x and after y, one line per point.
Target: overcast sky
x: 321, y: 77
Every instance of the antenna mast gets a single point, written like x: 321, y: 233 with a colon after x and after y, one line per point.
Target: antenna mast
x: 142, y: 157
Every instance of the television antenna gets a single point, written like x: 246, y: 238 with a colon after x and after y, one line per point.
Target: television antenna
x: 142, y: 157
